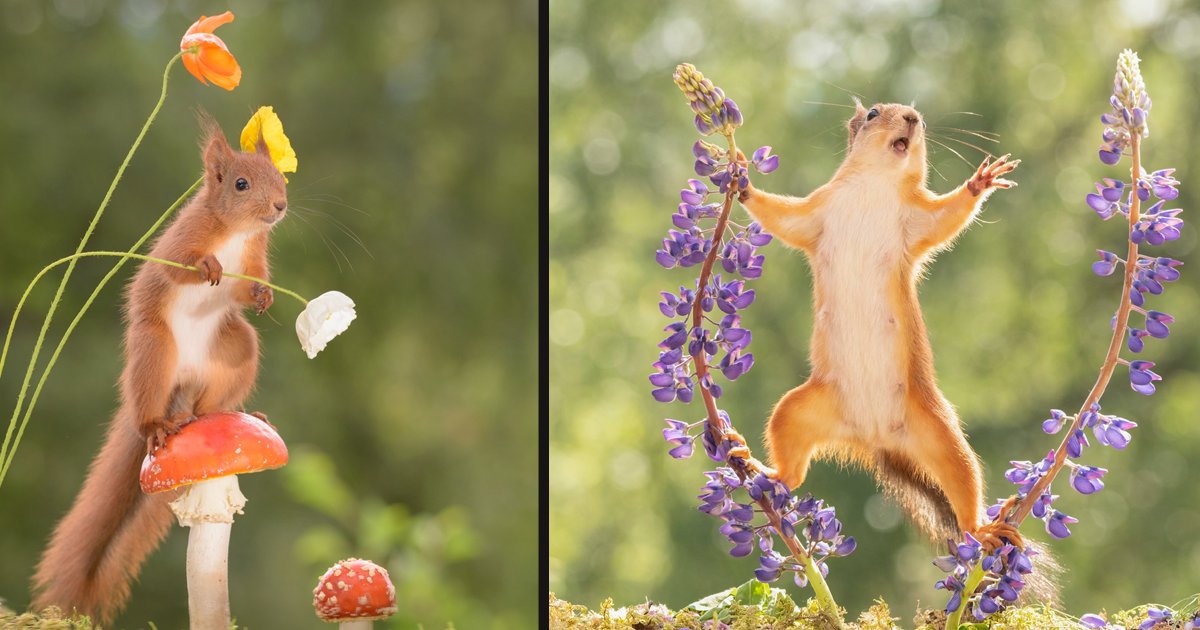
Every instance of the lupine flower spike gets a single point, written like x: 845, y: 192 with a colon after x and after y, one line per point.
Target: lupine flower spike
x: 706, y: 343
x: 1144, y: 277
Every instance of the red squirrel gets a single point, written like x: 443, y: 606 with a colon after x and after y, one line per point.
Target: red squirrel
x: 189, y: 351
x: 872, y: 397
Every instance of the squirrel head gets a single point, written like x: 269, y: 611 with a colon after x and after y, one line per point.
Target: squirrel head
x: 887, y: 137
x: 245, y: 189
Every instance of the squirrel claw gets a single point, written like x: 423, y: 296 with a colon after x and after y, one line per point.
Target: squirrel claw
x: 997, y: 534
x: 210, y: 269
x: 157, y: 436
x: 261, y: 416
x: 264, y: 297
x: 988, y: 174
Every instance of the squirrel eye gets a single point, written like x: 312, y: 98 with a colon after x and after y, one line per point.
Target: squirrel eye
x: 873, y: 113
x: 242, y: 184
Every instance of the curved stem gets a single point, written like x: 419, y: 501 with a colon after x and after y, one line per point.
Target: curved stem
x: 972, y: 583
x: 70, y: 260
x: 713, y: 419
x: 1111, y: 359
x: 78, y: 316
x: 62, y: 285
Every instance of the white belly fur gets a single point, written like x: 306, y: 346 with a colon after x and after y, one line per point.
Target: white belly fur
x: 861, y: 246
x: 199, y: 309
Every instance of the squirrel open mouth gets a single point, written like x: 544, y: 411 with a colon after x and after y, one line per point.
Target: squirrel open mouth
x: 900, y: 146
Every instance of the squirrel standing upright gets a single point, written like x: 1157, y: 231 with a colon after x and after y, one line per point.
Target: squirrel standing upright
x: 872, y: 397
x: 189, y: 351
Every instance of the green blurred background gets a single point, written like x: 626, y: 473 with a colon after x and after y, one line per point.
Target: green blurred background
x: 413, y: 435
x: 1018, y: 322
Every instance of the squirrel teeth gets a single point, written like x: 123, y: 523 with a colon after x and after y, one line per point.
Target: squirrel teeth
x: 900, y: 145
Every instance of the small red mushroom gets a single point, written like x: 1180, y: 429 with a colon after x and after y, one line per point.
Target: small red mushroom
x: 353, y: 593
x: 206, y: 455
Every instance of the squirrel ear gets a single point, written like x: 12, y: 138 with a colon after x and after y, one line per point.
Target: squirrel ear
x: 217, y: 156
x: 261, y: 145
x: 856, y: 123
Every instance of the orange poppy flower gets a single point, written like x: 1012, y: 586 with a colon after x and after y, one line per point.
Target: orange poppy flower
x: 205, y: 55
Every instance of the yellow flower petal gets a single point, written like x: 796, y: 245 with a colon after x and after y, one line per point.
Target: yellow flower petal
x: 266, y: 122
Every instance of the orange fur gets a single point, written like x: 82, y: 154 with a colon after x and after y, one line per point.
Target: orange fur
x: 872, y: 397
x: 98, y: 547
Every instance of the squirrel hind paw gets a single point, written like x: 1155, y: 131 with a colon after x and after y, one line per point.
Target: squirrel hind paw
x: 996, y: 534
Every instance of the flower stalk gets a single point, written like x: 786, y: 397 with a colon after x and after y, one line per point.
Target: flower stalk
x: 71, y: 260
x: 62, y: 285
x: 784, y: 513
x: 1111, y: 358
x: 1002, y: 571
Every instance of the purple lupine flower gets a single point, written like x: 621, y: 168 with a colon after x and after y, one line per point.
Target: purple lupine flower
x: 1141, y: 378
x: 706, y: 157
x: 1160, y: 269
x: 770, y: 566
x: 678, y: 434
x: 1055, y: 423
x: 731, y: 297
x: 1094, y: 621
x: 1156, y: 324
x: 1113, y: 431
x: 763, y: 161
x: 1076, y: 442
x: 1056, y: 524
x: 677, y: 305
x: 1041, y: 506
x: 695, y: 194
x: 1086, y: 479
x: 734, y: 364
x: 1107, y: 263
x: 1108, y: 202
x: 758, y: 238
x: 1155, y: 616
x: 1158, y: 226
x: 1161, y: 183
x: 1135, y: 342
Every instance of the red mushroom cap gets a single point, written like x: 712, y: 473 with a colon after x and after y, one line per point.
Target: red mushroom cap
x: 355, y: 589
x: 213, y: 445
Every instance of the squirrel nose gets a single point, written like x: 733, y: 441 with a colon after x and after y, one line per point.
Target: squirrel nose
x: 912, y: 120
x: 281, y: 205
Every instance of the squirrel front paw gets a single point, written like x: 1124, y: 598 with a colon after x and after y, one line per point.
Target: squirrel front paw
x: 263, y: 297
x: 157, y: 430
x: 210, y: 269
x: 988, y: 174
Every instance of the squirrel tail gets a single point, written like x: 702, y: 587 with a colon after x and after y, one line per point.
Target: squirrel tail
x: 99, y: 546
x: 928, y: 507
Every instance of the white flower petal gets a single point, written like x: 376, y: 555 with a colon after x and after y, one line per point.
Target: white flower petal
x: 325, y: 317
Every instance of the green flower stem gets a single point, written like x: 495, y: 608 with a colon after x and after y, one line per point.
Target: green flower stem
x: 4, y: 456
x: 87, y: 235
x: 973, y: 580
x: 70, y: 260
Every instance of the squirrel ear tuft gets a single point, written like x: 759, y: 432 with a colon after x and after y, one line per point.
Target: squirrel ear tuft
x: 261, y: 145
x: 217, y: 155
x: 855, y: 123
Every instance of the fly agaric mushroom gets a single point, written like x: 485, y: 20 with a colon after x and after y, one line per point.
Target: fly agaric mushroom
x: 206, y: 455
x: 353, y: 593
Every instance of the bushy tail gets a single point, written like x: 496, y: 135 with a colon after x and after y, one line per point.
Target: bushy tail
x: 98, y: 547
x: 929, y: 508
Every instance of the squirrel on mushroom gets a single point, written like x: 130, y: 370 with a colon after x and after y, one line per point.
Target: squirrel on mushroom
x: 189, y: 351
x: 872, y: 396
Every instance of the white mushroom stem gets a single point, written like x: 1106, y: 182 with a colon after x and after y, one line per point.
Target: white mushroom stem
x: 356, y: 625
x: 208, y: 508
